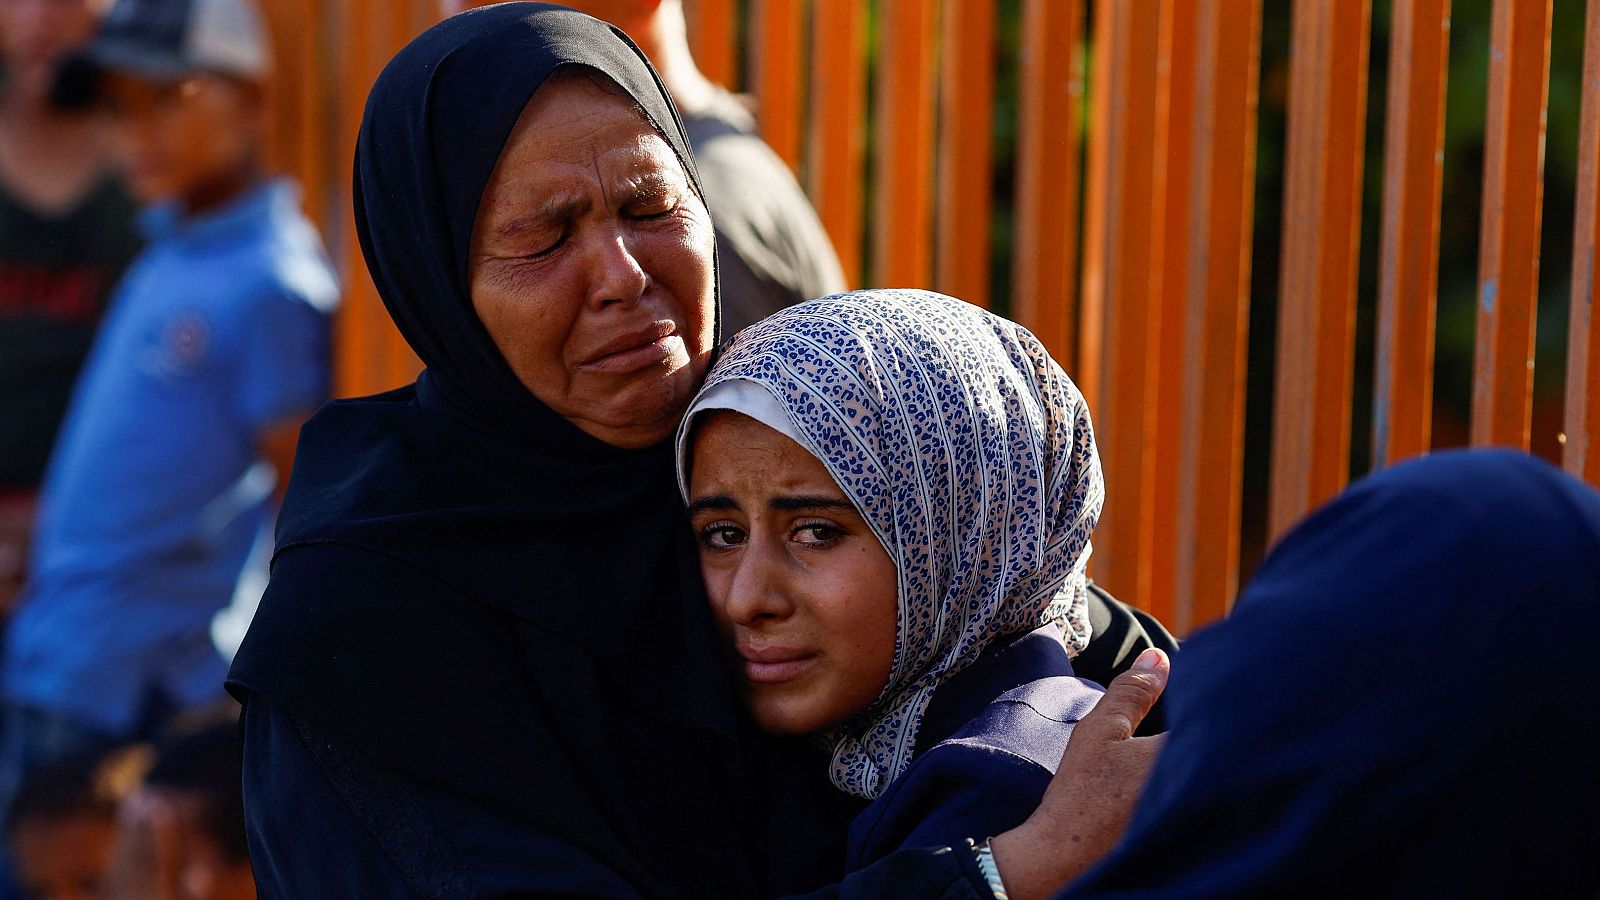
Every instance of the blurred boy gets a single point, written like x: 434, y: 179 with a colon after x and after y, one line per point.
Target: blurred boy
x: 213, y: 351
x: 62, y: 829
x: 182, y: 832
x: 66, y: 234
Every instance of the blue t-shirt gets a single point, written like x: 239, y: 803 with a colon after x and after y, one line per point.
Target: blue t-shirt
x: 155, y: 492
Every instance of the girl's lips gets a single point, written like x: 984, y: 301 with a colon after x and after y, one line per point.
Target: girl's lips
x: 777, y: 672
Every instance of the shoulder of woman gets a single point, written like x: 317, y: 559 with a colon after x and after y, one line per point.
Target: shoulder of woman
x: 341, y: 628
x: 957, y: 790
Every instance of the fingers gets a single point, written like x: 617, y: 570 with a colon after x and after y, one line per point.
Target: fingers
x: 1129, y: 697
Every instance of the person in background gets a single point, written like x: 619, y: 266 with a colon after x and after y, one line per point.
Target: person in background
x: 63, y: 824
x: 772, y: 252
x: 182, y: 830
x: 213, y: 351
x: 66, y: 234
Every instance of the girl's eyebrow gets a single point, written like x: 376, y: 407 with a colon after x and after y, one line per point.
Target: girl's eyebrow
x: 805, y: 502
x: 724, y: 502
x: 715, y: 501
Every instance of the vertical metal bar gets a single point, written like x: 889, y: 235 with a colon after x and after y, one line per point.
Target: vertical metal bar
x: 966, y: 106
x: 1175, y: 92
x: 1402, y: 406
x: 777, y: 30
x: 713, y: 30
x: 837, y: 152
x: 1513, y: 193
x: 1044, y: 253
x: 1581, y: 456
x: 903, y: 230
x: 1131, y: 279
x: 1096, y: 189
x: 1217, y: 285
x: 1321, y: 244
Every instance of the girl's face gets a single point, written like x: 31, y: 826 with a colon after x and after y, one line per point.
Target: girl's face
x: 801, y: 589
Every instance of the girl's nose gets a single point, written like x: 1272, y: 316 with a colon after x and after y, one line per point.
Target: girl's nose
x: 757, y: 592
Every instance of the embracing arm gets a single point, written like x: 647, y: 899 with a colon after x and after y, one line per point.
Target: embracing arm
x: 304, y: 841
x: 1082, y: 815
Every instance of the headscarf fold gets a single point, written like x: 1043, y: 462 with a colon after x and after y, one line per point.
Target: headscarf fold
x: 970, y: 455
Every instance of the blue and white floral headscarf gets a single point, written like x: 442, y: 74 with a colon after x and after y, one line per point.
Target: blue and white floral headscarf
x: 968, y: 452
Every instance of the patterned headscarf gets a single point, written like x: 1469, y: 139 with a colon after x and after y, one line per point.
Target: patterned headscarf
x: 970, y: 455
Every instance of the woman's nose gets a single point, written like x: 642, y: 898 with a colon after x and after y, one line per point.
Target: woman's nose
x: 757, y: 591
x: 616, y: 273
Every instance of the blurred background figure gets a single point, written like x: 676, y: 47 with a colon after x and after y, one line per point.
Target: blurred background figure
x: 63, y: 824
x: 182, y: 830
x: 66, y: 234
x: 214, y: 349
x: 772, y: 251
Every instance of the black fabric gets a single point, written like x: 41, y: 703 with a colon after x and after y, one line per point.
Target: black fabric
x: 1119, y: 634
x: 495, y: 610
x: 1402, y: 703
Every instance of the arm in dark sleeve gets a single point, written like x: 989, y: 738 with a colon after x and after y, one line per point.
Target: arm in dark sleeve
x: 932, y: 873
x: 954, y: 792
x: 304, y: 841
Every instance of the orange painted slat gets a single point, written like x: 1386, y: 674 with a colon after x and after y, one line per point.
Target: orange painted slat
x: 1096, y: 189
x: 777, y: 30
x: 1402, y: 408
x: 1044, y: 252
x: 713, y: 39
x: 903, y: 171
x: 1321, y: 243
x: 1581, y: 455
x: 1513, y: 192
x: 837, y: 153
x: 1217, y: 289
x: 1175, y: 92
x: 1127, y: 301
x: 965, y: 129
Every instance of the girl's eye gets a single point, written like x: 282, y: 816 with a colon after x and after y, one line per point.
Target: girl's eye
x: 816, y: 534
x: 721, y: 536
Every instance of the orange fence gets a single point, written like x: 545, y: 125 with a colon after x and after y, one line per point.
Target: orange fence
x: 885, y: 110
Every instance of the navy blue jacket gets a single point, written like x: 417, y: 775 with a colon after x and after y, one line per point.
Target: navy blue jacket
x: 986, y: 750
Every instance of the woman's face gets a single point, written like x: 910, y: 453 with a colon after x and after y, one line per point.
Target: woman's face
x: 800, y: 587
x: 591, y: 264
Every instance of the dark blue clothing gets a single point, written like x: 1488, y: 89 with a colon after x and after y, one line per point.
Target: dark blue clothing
x: 1402, y: 704
x: 986, y: 750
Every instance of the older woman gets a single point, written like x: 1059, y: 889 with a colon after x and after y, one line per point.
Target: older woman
x: 484, y: 664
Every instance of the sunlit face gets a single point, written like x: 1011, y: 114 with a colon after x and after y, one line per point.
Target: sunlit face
x: 591, y: 265
x: 64, y: 857
x: 36, y: 34
x: 180, y: 139
x: 800, y: 588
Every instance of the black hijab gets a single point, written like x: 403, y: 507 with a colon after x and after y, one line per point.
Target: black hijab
x: 536, y: 559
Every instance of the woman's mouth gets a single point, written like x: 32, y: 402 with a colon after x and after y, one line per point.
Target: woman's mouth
x: 637, y: 350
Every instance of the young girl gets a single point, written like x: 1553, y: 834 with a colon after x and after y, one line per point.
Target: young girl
x: 893, y: 493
